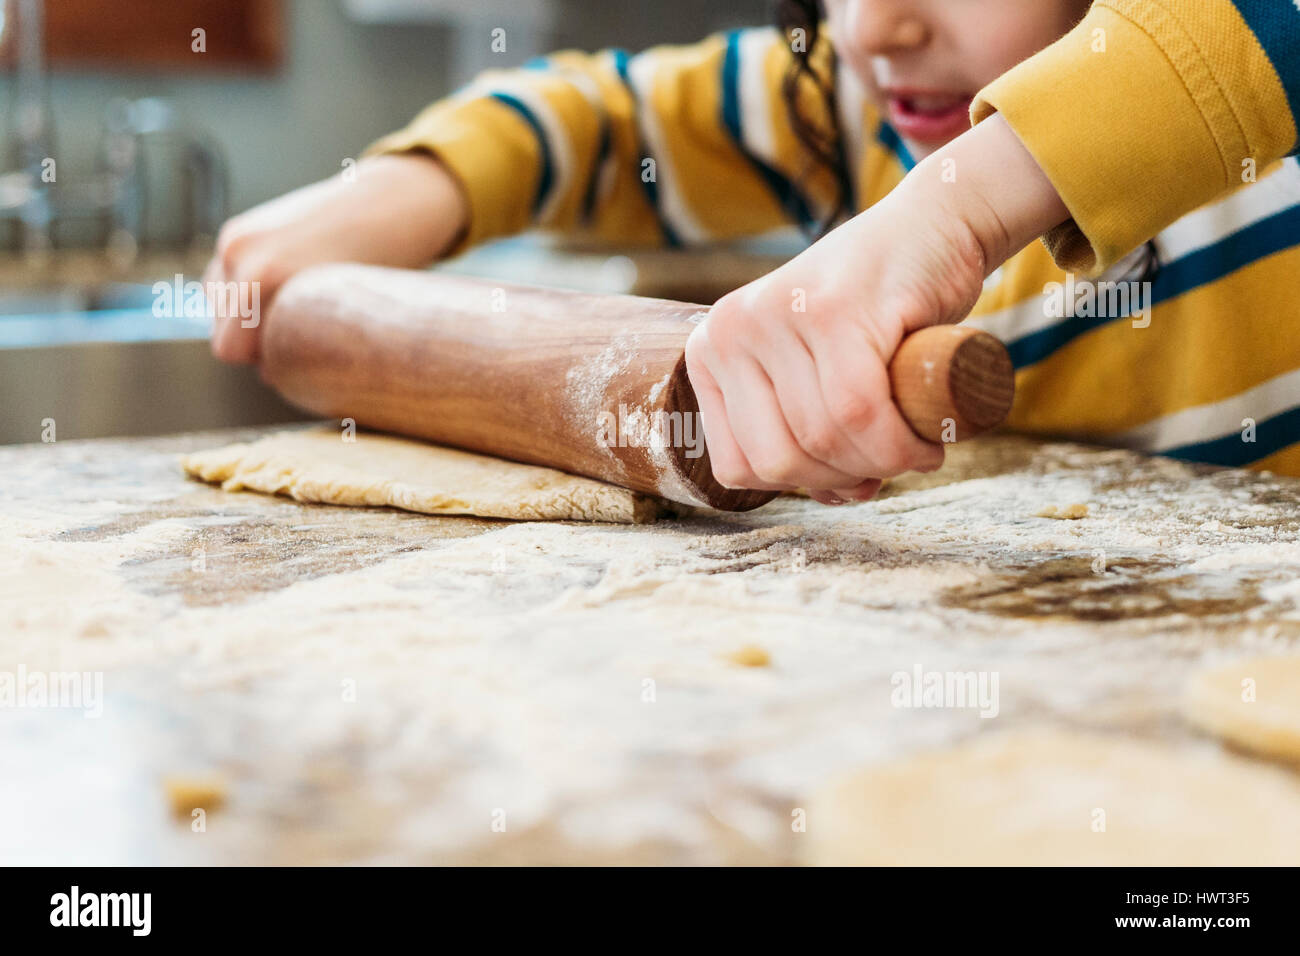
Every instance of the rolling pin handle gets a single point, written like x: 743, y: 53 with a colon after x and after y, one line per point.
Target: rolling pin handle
x: 952, y: 382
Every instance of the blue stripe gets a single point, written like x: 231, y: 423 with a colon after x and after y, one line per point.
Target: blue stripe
x: 792, y: 203
x: 548, y: 169
x: 888, y: 137
x: 621, y: 61
x: 1276, y: 25
x: 1274, y: 234
x: 1271, y: 436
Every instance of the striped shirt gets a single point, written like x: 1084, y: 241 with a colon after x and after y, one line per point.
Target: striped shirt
x: 1172, y: 119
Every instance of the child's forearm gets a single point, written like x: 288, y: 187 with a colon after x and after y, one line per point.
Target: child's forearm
x: 987, y: 180
x: 410, y: 210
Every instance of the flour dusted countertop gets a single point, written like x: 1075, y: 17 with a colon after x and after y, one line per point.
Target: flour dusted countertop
x: 368, y: 685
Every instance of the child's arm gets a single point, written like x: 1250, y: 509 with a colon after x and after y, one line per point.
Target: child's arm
x: 1142, y: 114
x: 396, y: 211
x: 1148, y: 110
x: 676, y: 145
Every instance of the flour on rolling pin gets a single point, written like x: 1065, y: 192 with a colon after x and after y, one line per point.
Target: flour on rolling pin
x: 631, y: 424
x: 589, y: 382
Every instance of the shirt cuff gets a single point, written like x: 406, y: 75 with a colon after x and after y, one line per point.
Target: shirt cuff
x: 1127, y: 118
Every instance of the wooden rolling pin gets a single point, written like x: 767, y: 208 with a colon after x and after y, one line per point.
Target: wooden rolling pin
x: 595, y: 385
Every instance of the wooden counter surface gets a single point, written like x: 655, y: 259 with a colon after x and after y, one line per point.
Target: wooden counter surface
x: 366, y: 685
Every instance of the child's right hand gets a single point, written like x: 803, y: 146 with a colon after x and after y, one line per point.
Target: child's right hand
x: 402, y: 211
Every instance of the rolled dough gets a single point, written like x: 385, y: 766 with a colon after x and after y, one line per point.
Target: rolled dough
x: 1033, y: 798
x: 318, y: 465
x: 1217, y: 701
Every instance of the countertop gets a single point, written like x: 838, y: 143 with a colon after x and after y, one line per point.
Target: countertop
x: 367, y: 685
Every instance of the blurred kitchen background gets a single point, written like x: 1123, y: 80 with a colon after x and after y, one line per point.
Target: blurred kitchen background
x: 125, y: 147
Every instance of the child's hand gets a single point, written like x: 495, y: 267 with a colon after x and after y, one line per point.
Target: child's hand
x: 791, y: 371
x: 395, y: 211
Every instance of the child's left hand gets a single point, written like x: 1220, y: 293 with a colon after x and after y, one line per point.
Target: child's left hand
x: 791, y: 371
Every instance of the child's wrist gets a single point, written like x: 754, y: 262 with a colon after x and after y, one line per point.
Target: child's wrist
x: 987, y: 182
x: 432, y: 199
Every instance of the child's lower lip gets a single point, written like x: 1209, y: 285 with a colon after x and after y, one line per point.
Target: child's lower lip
x: 930, y: 126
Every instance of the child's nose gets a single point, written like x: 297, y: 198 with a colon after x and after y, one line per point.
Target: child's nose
x: 882, y: 27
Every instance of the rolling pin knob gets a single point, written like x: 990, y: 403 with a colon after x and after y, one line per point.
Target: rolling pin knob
x: 952, y: 382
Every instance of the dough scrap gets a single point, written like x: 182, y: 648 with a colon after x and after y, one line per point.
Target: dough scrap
x: 1064, y: 513
x: 379, y: 470
x: 1269, y: 724
x: 751, y: 655
x: 1030, y: 798
x: 187, y: 794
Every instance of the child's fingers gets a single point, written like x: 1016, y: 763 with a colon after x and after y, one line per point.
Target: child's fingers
x: 764, y: 436
x: 728, y: 462
x: 866, y: 410
x: 230, y: 342
x: 803, y: 404
x: 827, y: 498
x: 863, y: 492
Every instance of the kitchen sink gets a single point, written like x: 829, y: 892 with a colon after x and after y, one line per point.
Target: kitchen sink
x: 91, y: 355
x: 97, y: 361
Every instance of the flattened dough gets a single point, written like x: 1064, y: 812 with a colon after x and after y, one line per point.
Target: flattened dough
x: 317, y: 465
x: 1030, y: 799
x: 1269, y: 724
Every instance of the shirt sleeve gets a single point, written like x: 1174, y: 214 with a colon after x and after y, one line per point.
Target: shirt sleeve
x: 1151, y: 108
x: 678, y: 145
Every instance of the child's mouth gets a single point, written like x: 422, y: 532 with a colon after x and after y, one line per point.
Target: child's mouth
x: 929, y: 118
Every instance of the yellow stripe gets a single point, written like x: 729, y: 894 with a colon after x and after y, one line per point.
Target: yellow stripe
x: 815, y: 183
x: 1226, y: 70
x: 721, y: 189
x: 1024, y: 277
x: 623, y: 213
x: 1203, y: 347
x: 581, y: 123
x: 1283, y: 462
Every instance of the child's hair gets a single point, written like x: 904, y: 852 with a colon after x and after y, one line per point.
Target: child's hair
x: 822, y: 139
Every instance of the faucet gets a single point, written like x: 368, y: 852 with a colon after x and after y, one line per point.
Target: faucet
x: 36, y: 198
x: 20, y: 195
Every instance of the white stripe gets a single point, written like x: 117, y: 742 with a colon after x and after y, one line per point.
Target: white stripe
x: 1245, y: 207
x: 755, y: 107
x: 1204, y: 227
x: 1215, y: 420
x: 672, y: 205
x: 606, y: 173
x: 1031, y: 315
x: 557, y: 135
